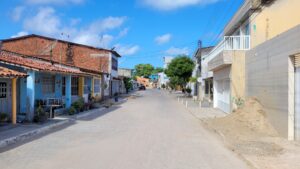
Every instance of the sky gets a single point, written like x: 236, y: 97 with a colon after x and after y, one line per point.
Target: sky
x: 142, y: 31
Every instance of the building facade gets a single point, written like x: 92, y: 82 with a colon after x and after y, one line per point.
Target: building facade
x: 162, y: 77
x: 57, y: 71
x: 258, y: 57
x: 202, y: 88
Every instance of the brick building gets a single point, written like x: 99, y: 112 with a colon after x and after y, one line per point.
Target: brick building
x: 54, y: 69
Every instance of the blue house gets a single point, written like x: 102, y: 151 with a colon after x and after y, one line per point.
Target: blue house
x: 41, y: 80
x: 153, y: 77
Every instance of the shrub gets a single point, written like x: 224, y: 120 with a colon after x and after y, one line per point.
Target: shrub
x: 79, y: 104
x: 40, y: 115
x: 188, y: 90
x: 72, y: 111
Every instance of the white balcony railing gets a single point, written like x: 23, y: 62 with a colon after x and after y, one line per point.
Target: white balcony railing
x: 230, y: 43
x: 236, y: 42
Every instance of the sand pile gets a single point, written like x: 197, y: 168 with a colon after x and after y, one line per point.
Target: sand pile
x: 250, y: 118
x: 248, y: 132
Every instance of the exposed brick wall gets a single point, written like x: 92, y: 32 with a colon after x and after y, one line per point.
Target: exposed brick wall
x: 40, y: 47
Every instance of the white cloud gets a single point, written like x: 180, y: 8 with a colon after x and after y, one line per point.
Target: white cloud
x: 93, y: 34
x: 17, y: 13
x: 45, y: 22
x: 177, y: 51
x: 163, y: 39
x: 54, y: 2
x: 22, y: 33
x: 74, y: 21
x: 123, y: 33
x: 166, y: 5
x: 127, y: 49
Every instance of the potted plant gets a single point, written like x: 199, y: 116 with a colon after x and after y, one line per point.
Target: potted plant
x: 40, y: 115
x: 189, y: 91
x: 78, y: 105
x: 72, y: 111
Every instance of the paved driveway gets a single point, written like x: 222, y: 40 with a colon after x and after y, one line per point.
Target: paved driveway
x: 149, y: 132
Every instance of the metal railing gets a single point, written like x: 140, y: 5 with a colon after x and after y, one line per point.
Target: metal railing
x: 236, y: 42
x: 230, y: 43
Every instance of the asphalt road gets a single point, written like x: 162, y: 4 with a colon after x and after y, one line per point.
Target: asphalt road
x: 149, y: 132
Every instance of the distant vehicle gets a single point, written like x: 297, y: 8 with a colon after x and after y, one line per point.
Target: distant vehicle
x: 142, y: 87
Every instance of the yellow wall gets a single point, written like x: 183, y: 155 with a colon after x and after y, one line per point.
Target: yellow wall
x: 14, y: 101
x: 237, y: 77
x: 81, y: 86
x: 279, y: 17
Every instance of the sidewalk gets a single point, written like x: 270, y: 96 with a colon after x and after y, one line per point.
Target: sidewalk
x: 10, y: 135
x: 258, y: 149
x: 199, y: 110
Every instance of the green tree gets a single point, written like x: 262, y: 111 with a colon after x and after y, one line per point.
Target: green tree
x: 128, y: 84
x: 144, y: 70
x: 157, y: 70
x: 180, y: 70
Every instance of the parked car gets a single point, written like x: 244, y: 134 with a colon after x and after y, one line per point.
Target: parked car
x: 142, y: 87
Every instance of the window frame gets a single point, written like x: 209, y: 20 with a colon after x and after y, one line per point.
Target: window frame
x: 3, y: 90
x: 75, y: 86
x: 48, y: 84
x: 98, y: 86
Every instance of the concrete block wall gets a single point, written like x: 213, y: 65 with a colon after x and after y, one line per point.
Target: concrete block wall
x: 267, y: 76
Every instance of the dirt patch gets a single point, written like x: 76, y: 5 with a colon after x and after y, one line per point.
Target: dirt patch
x: 248, y: 132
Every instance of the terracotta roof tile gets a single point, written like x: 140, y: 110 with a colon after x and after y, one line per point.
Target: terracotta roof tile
x: 5, y: 72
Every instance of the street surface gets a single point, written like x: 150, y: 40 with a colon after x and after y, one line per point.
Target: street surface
x: 149, y: 132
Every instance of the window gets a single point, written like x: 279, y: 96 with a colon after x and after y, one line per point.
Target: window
x: 206, y: 87
x: 74, y: 86
x: 3, y: 89
x: 48, y: 84
x: 96, y: 85
x: 63, y: 86
x: 114, y: 64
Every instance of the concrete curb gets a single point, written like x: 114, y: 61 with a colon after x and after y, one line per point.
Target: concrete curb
x: 22, y: 137
x: 88, y: 113
x: 25, y: 136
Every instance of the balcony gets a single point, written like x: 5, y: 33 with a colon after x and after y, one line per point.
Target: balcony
x: 230, y: 43
x: 222, y: 54
x: 236, y: 42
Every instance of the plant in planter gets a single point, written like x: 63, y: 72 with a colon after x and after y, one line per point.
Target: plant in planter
x: 79, y: 105
x: 72, y: 111
x: 40, y: 115
x: 189, y: 91
x: 3, y: 118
